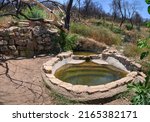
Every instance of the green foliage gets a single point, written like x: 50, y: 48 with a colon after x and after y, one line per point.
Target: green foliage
x: 142, y: 92
x: 67, y: 41
x: 142, y: 43
x: 70, y: 42
x: 116, y: 30
x: 36, y: 12
x: 149, y: 9
x: 144, y: 54
x: 129, y: 27
x: 147, y: 1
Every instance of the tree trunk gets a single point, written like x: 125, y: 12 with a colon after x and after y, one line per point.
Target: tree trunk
x: 67, y: 19
x: 131, y: 22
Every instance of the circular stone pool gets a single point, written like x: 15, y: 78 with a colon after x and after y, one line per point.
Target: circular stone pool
x: 89, y: 73
x: 103, y: 76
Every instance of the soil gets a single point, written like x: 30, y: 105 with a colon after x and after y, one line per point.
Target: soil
x: 21, y: 84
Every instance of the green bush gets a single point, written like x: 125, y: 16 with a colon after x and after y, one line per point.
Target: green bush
x: 116, y: 30
x: 66, y: 41
x: 36, y: 12
x: 129, y: 26
x: 141, y: 92
x: 70, y: 42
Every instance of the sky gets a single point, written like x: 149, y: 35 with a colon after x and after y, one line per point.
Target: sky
x: 106, y: 6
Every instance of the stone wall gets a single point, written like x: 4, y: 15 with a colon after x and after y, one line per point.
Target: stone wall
x: 27, y: 40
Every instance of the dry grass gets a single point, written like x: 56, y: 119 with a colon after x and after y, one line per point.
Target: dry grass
x: 4, y: 21
x: 99, y: 34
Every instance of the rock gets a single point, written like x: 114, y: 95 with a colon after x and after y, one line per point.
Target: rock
x: 55, y: 81
x: 51, y: 62
x: 65, y: 85
x: 11, y: 42
x: 13, y: 48
x: 4, y: 49
x: 13, y: 28
x: 47, y: 69
x: 116, y: 63
x: 79, y: 88
x: 1, y: 43
x: 64, y: 55
x: 21, y: 42
x: 99, y: 61
x: 132, y: 74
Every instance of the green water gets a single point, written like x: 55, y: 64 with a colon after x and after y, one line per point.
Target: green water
x: 89, y: 73
x: 83, y: 53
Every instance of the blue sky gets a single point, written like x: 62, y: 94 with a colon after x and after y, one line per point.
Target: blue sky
x: 106, y: 6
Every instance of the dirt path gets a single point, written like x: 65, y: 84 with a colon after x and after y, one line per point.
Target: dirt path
x: 21, y: 83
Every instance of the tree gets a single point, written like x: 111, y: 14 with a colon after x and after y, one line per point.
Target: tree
x: 79, y: 8
x: 131, y: 10
x: 115, y: 10
x: 137, y: 19
x: 18, y: 5
x: 67, y: 18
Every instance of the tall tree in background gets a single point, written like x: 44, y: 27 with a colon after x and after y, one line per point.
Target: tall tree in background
x: 79, y: 8
x: 67, y: 18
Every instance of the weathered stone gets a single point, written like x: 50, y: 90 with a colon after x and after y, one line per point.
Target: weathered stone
x: 116, y: 63
x: 13, y: 48
x: 13, y: 28
x: 1, y: 42
x: 99, y: 88
x: 21, y: 42
x: 111, y: 85
x: 65, y: 85
x: 132, y: 74
x: 23, y: 24
x: 64, y: 54
x: 4, y: 48
x: 142, y: 74
x: 40, y: 47
x: 55, y: 81
x: 99, y: 61
x: 51, y: 62
x: 47, y: 69
x: 11, y: 42
x: 50, y: 75
x: 79, y: 88
x: 76, y: 61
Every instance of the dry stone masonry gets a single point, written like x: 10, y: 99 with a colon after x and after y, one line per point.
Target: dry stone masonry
x: 27, y: 40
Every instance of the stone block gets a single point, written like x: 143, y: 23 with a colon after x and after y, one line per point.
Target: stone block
x: 55, y: 81
x: 13, y: 48
x: 47, y: 69
x: 99, y: 88
x: 79, y: 88
x: 67, y: 86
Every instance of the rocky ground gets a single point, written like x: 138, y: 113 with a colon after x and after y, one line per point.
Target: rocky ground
x: 21, y: 83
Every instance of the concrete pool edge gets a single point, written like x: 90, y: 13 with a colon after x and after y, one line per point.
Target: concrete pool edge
x: 84, y: 92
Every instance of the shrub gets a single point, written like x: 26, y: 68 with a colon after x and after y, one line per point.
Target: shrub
x: 66, y: 41
x: 129, y: 26
x: 70, y: 42
x: 36, y: 12
x: 141, y: 92
x: 116, y: 30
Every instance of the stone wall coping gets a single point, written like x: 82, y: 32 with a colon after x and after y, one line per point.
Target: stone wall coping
x: 85, y: 92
